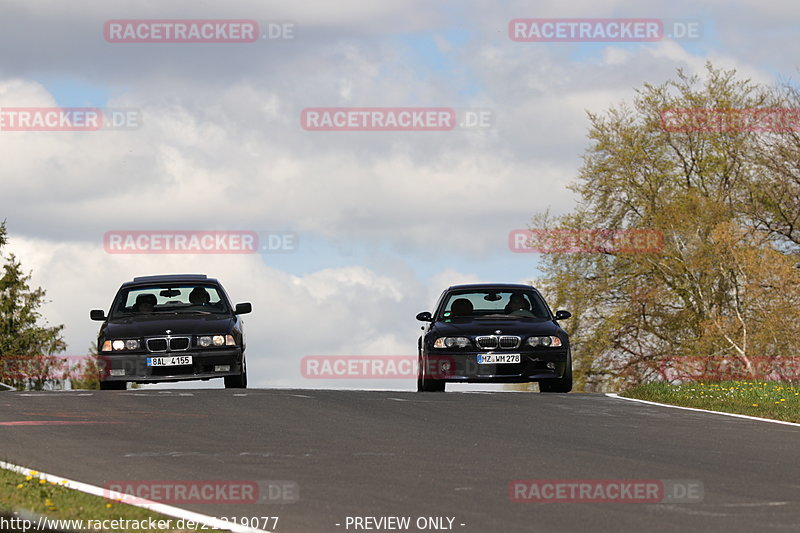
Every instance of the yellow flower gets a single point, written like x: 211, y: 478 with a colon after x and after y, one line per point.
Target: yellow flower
x: 34, y: 472
x: 108, y: 506
x: 42, y: 481
x: 20, y: 486
x: 28, y: 478
x: 755, y: 405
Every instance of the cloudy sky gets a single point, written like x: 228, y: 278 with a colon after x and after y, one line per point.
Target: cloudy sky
x: 384, y: 220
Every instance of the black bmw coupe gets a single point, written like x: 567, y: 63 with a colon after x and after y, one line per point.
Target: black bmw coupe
x: 171, y: 328
x: 494, y: 333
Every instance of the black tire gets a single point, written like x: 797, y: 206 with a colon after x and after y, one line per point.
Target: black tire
x: 425, y: 383
x: 562, y: 384
x: 240, y: 381
x: 113, y: 385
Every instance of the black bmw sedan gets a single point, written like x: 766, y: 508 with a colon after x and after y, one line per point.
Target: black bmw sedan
x: 494, y: 333
x: 171, y: 328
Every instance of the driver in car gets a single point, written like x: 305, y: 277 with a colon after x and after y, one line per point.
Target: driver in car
x: 518, y: 305
x: 145, y: 303
x: 199, y: 296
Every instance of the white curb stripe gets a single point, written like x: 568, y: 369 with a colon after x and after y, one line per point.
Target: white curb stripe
x: 736, y: 415
x: 140, y: 502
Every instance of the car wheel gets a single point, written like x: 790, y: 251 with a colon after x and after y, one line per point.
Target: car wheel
x: 562, y: 384
x: 240, y: 381
x: 425, y: 383
x: 113, y: 385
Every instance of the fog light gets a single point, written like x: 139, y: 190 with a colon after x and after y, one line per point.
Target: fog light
x: 551, y: 366
x: 116, y: 372
x: 222, y: 368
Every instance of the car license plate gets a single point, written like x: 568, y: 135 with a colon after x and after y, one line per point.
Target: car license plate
x: 497, y: 358
x: 177, y: 360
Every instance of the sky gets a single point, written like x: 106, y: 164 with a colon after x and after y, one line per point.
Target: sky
x: 382, y: 221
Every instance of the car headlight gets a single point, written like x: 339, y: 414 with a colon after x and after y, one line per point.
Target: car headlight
x: 217, y: 340
x: 551, y: 342
x: 120, y: 345
x: 451, y: 342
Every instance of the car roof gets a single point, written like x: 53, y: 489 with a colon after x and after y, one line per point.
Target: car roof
x: 498, y: 286
x: 170, y: 278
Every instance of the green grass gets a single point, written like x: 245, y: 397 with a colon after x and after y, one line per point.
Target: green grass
x: 771, y: 399
x: 54, y: 501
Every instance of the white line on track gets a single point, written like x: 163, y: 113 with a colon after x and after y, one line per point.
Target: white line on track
x: 140, y: 502
x: 735, y: 415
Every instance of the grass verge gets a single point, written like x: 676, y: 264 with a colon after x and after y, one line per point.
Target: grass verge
x: 58, y: 502
x: 771, y: 399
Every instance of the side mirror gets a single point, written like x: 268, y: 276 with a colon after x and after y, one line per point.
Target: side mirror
x: 563, y: 315
x: 97, y: 314
x: 425, y: 316
x: 242, y: 309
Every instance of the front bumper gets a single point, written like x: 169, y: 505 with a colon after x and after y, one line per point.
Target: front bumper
x: 464, y: 367
x: 203, y: 362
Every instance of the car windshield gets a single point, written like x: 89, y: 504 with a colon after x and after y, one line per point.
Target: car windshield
x: 489, y: 303
x: 161, y: 299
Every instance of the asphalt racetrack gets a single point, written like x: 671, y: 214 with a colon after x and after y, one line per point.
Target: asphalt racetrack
x: 445, y: 461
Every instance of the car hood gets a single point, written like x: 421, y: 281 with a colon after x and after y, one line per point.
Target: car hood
x: 522, y: 327
x: 149, y: 326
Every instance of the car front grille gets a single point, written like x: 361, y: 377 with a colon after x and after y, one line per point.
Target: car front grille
x: 172, y: 344
x: 491, y: 342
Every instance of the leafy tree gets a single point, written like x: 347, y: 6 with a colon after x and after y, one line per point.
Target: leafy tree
x: 86, y: 372
x: 773, y: 195
x: 26, y: 347
x: 725, y: 272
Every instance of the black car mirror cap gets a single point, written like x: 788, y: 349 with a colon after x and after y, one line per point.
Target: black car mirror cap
x: 425, y: 316
x: 563, y: 315
x: 97, y: 314
x: 243, y: 308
